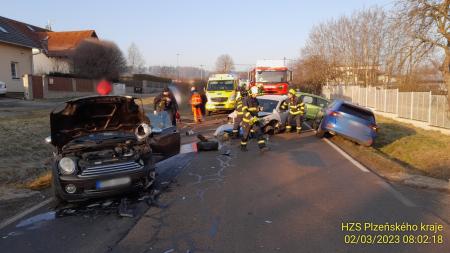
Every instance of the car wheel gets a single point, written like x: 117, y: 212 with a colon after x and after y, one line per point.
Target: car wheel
x: 319, y: 132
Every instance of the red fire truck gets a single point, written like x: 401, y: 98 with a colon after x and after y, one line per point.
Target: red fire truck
x: 272, y: 75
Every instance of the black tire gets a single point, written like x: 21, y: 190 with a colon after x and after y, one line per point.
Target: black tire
x: 319, y: 132
x: 207, y: 145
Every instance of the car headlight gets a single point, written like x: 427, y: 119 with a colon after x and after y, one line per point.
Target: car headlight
x: 66, y: 166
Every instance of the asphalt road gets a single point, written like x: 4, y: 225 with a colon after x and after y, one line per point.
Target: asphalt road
x: 293, y: 198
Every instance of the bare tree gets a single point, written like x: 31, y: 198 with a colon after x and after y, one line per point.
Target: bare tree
x: 135, y: 60
x: 98, y: 59
x: 224, y: 63
x: 430, y: 26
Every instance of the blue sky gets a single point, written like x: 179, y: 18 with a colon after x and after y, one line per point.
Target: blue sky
x: 198, y: 30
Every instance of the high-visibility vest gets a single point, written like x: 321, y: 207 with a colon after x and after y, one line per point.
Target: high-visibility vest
x: 196, y: 99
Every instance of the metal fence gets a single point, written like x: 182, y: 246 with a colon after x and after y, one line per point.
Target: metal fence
x: 420, y: 106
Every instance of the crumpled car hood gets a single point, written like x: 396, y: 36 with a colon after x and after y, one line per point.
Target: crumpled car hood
x: 87, y: 115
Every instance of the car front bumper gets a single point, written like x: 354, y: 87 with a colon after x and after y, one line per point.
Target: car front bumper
x: 217, y: 106
x: 88, y: 187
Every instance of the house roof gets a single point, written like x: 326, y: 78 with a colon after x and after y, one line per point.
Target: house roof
x: 19, y: 33
x: 54, y: 44
x: 60, y: 44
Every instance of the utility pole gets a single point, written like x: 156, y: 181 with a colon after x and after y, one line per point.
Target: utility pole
x: 178, y: 66
x: 201, y: 72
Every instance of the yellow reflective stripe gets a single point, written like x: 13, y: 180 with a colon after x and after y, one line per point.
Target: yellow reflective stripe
x: 288, y: 127
x: 299, y: 128
x: 261, y: 141
x: 243, y: 143
x: 240, y: 113
x: 246, y: 120
x: 252, y: 131
x: 296, y: 113
x: 247, y: 114
x: 253, y: 109
x: 245, y: 108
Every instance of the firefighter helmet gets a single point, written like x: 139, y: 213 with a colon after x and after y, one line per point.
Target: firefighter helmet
x: 292, y: 91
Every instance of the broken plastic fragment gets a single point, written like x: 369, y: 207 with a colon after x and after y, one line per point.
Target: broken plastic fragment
x: 123, y: 209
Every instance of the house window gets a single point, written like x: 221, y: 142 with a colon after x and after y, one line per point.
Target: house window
x: 2, y: 29
x: 15, y: 70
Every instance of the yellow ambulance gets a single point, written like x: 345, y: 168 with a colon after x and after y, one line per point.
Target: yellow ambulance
x: 221, y: 92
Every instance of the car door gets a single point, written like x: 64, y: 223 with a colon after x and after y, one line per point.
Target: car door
x: 310, y: 107
x: 165, y: 139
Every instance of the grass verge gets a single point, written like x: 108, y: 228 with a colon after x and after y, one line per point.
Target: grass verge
x: 401, y: 147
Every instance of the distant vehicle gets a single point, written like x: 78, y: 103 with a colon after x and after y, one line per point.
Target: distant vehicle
x: 273, y: 75
x: 3, y: 89
x: 348, y: 120
x: 313, y: 104
x: 106, y: 145
x: 221, y: 92
x: 272, y: 116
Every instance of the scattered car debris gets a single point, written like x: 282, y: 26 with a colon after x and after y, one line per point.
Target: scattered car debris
x: 93, y: 205
x: 124, y: 210
x: 201, y: 137
x: 107, y: 203
x: 227, y: 153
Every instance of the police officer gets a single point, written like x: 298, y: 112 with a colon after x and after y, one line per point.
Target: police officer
x: 239, y: 113
x: 296, y: 111
x: 250, y: 120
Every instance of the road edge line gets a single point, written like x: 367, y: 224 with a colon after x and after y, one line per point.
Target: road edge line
x: 347, y: 156
x: 18, y: 216
x: 343, y: 153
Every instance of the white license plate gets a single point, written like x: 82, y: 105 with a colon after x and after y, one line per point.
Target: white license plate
x: 113, y: 182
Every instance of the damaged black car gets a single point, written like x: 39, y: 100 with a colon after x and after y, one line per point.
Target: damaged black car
x: 106, y: 146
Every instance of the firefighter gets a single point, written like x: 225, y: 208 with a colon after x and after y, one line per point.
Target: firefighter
x: 296, y: 111
x: 239, y: 113
x: 250, y: 120
x: 196, y: 103
x: 166, y: 102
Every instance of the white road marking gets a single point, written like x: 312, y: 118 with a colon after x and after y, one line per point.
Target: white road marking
x: 349, y: 158
x: 24, y: 213
x: 397, y: 194
x: 385, y: 185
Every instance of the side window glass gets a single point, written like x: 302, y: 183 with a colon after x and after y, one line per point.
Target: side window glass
x: 160, y: 121
x: 307, y: 99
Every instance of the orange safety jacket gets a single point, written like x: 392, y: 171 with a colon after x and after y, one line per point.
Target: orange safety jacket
x: 196, y: 99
